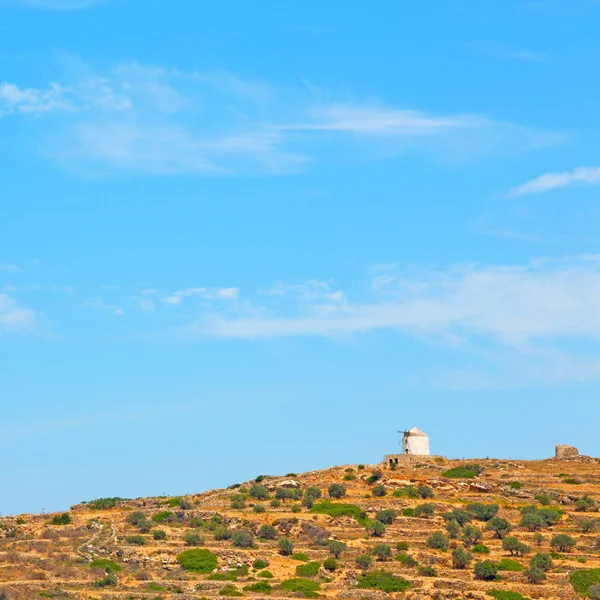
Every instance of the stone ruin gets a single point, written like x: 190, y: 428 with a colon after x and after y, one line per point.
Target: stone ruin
x: 563, y: 451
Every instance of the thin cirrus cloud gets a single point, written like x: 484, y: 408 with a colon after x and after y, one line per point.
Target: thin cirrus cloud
x: 15, y: 318
x: 143, y: 120
x: 512, y: 306
x: 553, y: 181
x: 177, y: 298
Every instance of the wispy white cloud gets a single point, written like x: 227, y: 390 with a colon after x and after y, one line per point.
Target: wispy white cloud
x: 15, y: 318
x: 511, y: 306
x: 553, y: 181
x: 176, y: 298
x: 8, y: 268
x: 141, y: 119
x: 99, y: 304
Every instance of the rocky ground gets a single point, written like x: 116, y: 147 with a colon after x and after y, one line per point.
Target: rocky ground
x: 207, y: 545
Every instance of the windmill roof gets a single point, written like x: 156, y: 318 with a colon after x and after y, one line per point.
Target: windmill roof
x: 417, y: 431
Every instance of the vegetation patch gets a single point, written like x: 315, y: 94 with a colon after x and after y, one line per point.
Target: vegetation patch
x: 384, y: 581
x: 305, y: 587
x: 583, y: 579
x: 506, y: 595
x: 110, y: 566
x: 464, y: 471
x: 510, y: 564
x: 337, y: 509
x: 310, y: 569
x: 199, y: 560
x: 104, y: 503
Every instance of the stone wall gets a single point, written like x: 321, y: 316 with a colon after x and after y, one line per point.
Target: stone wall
x: 563, y: 451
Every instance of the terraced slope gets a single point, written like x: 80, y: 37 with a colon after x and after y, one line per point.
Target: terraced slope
x: 346, y: 532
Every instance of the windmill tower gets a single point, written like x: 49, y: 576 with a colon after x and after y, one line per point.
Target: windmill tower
x: 415, y: 442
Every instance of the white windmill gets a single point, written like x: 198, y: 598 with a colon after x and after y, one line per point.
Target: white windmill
x: 414, y: 441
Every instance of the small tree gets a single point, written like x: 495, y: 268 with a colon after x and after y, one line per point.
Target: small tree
x: 535, y: 575
x: 336, y: 548
x: 501, y: 527
x: 267, y: 532
x: 587, y: 525
x: 376, y: 528
x: 511, y: 544
x: 532, y: 521
x: 541, y: 560
x: 471, y: 534
x: 159, y: 534
x: 286, y: 547
x: 483, y: 512
x: 386, y: 516
x: 382, y: 551
x: 424, y: 491
x: 459, y: 515
x: 63, y: 519
x: 562, y: 542
x: 584, y: 503
x: 336, y: 490
x: 486, y: 570
x: 438, y: 541
x: 243, y: 539
x: 191, y: 538
x: 538, y: 538
x: 259, y: 492
x: 364, y: 561
x: 461, y: 558
x: 453, y: 529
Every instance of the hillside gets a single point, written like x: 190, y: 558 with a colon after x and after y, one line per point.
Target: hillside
x: 282, y: 541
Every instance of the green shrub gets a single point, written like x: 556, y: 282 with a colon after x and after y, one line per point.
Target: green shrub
x: 571, y: 481
x: 259, y: 492
x: 106, y: 564
x: 243, y: 539
x: 108, y: 580
x: 382, y: 551
x: 165, y: 516
x: 259, y: 508
x: 238, y: 502
x: 301, y: 556
x: 515, y: 485
x: 587, y: 525
x: 310, y: 495
x: 506, y: 595
x: 198, y: 560
x: 260, y: 563
x: 583, y: 579
x: 424, y: 510
x: 336, y: 490
x: 63, y: 519
x: 265, y: 574
x: 286, y: 547
x: 584, y: 503
x: 104, y: 503
x: 364, y: 561
x: 310, y: 569
x: 349, y: 477
x: 379, y: 491
x: 374, y: 477
x: 137, y: 540
x: 402, y: 546
x: 424, y: 491
x: 159, y: 534
x: 384, y: 581
x: 562, y: 542
x: 427, y: 571
x: 460, y: 515
x: 510, y: 564
x: 480, y: 549
x: 330, y: 564
x: 229, y: 590
x: 406, y: 559
x: 275, y: 503
x: 267, y: 532
x: 514, y: 546
x: 230, y: 575
x: 334, y: 509
x: 438, y: 541
x: 486, y: 570
x: 260, y: 587
x: 191, y: 538
x: 543, y: 499
x: 541, y: 560
x: 408, y: 512
x: 463, y: 472
x: 305, y: 587
x: 407, y: 491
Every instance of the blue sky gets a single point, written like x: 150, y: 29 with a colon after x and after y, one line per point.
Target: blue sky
x: 241, y: 238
